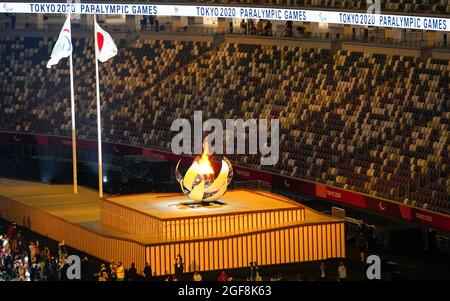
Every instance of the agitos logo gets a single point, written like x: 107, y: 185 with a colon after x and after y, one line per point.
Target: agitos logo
x: 6, y: 8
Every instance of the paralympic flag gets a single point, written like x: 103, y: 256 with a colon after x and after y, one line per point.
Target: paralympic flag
x: 105, y: 46
x: 63, y: 46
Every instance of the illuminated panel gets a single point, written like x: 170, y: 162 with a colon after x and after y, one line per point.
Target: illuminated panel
x: 214, y: 249
x: 167, y: 259
x: 329, y: 241
x: 305, y: 243
x: 273, y: 247
x: 221, y: 254
x: 231, y: 253
x: 281, y: 247
x: 240, y: 251
x: 296, y: 242
x: 260, y: 247
x: 264, y: 249
x: 254, y: 247
x: 226, y: 254
x: 314, y: 242
x: 192, y: 262
x: 343, y: 239
x: 291, y: 245
x: 333, y: 239
x: 171, y: 255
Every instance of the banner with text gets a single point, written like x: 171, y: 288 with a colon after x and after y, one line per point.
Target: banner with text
x: 268, y: 13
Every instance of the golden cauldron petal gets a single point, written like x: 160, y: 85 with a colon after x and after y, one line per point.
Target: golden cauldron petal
x: 218, y: 194
x: 198, y: 191
x: 220, y: 180
x: 190, y: 176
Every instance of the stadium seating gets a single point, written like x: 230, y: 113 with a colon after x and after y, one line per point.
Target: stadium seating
x: 371, y: 123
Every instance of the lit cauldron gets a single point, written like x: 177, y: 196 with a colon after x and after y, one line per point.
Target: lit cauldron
x: 199, y: 183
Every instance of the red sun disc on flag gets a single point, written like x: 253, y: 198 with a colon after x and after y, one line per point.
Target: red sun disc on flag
x: 100, y: 40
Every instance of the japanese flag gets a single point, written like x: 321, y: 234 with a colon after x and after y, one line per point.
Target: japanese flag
x: 105, y: 46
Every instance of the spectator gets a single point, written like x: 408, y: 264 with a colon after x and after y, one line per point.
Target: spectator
x: 64, y: 266
x: 120, y: 273
x: 113, y: 271
x: 222, y: 276
x: 323, y: 271
x: 144, y: 23
x: 361, y: 245
x: 47, y: 253
x: 103, y: 276
x: 32, y: 248
x: 12, y: 235
x: 289, y: 31
x: 363, y: 227
x: 243, y: 26
x: 276, y: 277
x: 197, y: 276
x: 257, y: 275
x: 147, y: 272
x: 20, y: 243
x: 342, y: 271
x: 179, y: 265
x: 132, y: 272
x: 260, y: 26
x: 37, y: 250
x: 252, y: 272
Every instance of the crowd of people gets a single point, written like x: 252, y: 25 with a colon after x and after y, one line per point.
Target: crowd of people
x: 254, y: 274
x: 22, y: 259
x: 117, y: 272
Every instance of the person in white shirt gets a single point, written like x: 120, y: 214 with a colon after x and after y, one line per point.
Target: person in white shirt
x: 323, y: 271
x: 342, y: 271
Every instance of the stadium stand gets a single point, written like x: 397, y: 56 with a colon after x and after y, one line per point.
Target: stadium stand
x: 373, y: 123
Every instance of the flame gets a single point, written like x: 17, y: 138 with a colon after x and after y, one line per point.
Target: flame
x: 204, y: 165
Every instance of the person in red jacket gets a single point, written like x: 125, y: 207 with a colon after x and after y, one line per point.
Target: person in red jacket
x: 222, y: 276
x: 12, y: 235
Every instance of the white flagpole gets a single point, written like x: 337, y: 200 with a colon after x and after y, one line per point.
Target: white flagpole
x: 72, y: 108
x: 99, y: 119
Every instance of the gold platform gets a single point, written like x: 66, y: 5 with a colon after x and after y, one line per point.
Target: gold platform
x: 251, y: 226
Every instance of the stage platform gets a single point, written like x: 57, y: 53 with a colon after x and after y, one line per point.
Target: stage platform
x: 169, y: 216
x: 250, y: 226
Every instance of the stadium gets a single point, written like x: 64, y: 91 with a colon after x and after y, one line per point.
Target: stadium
x: 225, y: 140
